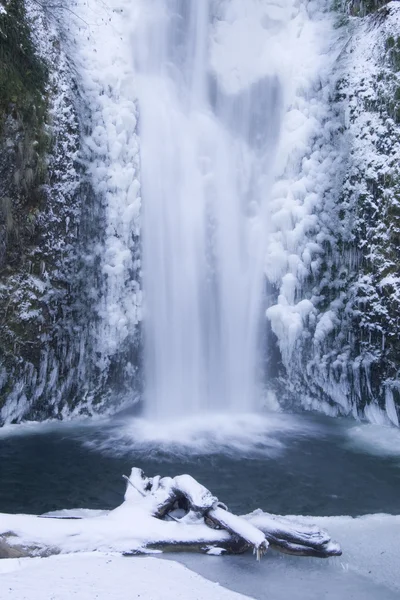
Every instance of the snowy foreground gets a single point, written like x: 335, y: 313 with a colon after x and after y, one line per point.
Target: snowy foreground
x: 90, y: 547
x: 160, y: 513
x: 368, y: 569
x: 104, y: 577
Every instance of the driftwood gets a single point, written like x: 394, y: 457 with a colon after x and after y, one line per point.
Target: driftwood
x: 291, y: 537
x: 167, y: 514
x: 240, y: 528
x: 185, y: 500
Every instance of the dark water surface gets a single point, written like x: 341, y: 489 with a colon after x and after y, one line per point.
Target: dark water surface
x: 315, y: 473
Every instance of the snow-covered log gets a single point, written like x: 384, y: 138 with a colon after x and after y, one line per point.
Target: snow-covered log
x: 292, y: 537
x: 162, y: 513
x: 226, y: 545
x: 240, y: 528
x: 197, y: 502
x: 256, y: 530
x: 199, y: 498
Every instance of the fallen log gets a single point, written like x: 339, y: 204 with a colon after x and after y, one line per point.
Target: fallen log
x: 257, y: 530
x: 198, y: 497
x: 291, y: 537
x: 198, y: 502
x: 240, y: 528
x: 232, y: 545
x: 163, y: 514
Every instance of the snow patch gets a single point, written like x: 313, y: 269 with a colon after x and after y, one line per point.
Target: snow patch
x: 104, y: 576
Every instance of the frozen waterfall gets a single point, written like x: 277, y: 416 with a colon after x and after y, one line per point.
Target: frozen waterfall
x: 206, y: 147
x: 209, y: 152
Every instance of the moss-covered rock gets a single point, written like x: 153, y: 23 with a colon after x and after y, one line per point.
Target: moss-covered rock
x: 361, y: 8
x: 39, y: 214
x: 23, y: 74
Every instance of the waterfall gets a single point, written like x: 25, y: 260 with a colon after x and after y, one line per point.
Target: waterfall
x: 211, y: 146
x: 205, y: 151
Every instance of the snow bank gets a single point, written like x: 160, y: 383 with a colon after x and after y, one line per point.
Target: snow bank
x: 370, y: 565
x: 104, y: 576
x: 375, y: 439
x: 368, y: 570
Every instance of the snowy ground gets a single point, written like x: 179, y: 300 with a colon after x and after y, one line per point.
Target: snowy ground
x: 91, y: 566
x: 104, y: 577
x: 369, y: 569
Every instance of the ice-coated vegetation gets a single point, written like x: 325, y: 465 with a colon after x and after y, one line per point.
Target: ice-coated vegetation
x: 57, y: 350
x: 39, y: 214
x: 340, y: 348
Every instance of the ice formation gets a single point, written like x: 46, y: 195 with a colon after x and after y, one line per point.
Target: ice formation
x: 103, y: 61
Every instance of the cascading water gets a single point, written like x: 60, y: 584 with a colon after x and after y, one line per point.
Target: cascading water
x: 205, y: 152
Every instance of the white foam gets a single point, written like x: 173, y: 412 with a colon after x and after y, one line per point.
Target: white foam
x: 242, y: 435
x: 375, y: 439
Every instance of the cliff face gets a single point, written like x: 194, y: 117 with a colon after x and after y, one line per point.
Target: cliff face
x: 40, y: 209
x: 370, y: 92
x: 50, y: 226
x: 346, y: 354
x: 55, y: 224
